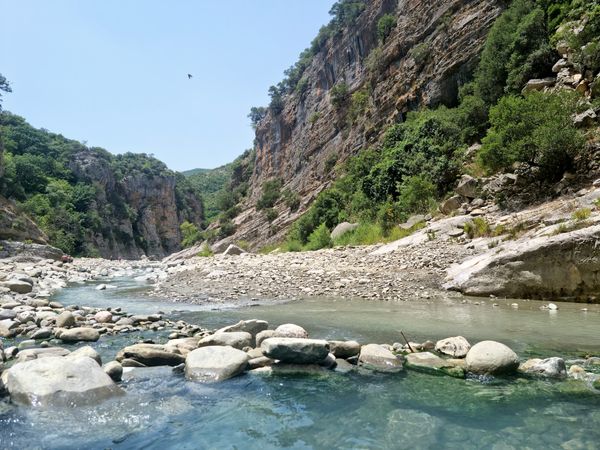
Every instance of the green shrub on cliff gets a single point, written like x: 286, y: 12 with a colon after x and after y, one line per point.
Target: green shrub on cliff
x: 190, y: 234
x: 536, y: 129
x: 320, y: 238
x: 385, y: 25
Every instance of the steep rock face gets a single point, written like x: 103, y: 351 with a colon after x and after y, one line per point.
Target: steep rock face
x: 14, y: 225
x: 433, y: 47
x: 145, y: 209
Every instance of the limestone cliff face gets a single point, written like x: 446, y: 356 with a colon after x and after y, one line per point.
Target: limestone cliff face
x: 432, y: 49
x: 140, y: 213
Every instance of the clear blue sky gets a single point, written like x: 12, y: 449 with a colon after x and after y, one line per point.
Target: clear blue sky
x: 114, y: 72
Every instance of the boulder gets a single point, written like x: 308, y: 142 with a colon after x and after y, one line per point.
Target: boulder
x: 564, y: 265
x: 344, y: 349
x: 182, y: 345
x: 59, y: 382
x: 343, y: 228
x: 18, y: 286
x: 42, y: 333
x: 412, y: 221
x: 538, y: 85
x: 266, y: 334
x: 378, y: 358
x: 452, y: 204
x: 234, y: 250
x: 103, y: 317
x: 65, y: 319
x: 217, y: 363
x: 585, y: 119
x: 491, y: 358
x: 295, y: 350
x: 114, y: 370
x: 457, y: 346
x: 290, y: 330
x: 86, y: 351
x: 7, y: 314
x: 237, y: 339
x: 150, y: 355
x: 79, y: 334
x: 548, y: 368
x: 36, y: 353
x: 8, y: 328
x: 252, y: 326
x: 467, y: 187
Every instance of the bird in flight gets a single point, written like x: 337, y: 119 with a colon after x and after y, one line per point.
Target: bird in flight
x: 189, y: 76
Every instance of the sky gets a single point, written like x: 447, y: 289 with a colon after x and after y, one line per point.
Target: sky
x: 113, y: 73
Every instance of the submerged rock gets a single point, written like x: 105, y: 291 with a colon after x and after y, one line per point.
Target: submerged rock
x: 491, y: 358
x: 296, y: 350
x: 457, y: 346
x: 217, y: 363
x: 378, y: 358
x: 344, y: 349
x: 430, y: 363
x: 58, y: 382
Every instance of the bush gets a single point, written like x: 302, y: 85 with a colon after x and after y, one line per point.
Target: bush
x: 270, y: 194
x: 190, y: 234
x: 582, y: 214
x: 320, y: 238
x: 339, y: 95
x: 292, y: 199
x: 385, y: 25
x: 226, y: 228
x: 271, y: 214
x: 420, y: 52
x: 537, y: 130
x: 417, y: 195
x: 358, y: 104
x: 478, y: 227
x: 314, y: 117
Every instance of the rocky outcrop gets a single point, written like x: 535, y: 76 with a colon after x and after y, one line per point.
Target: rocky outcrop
x: 14, y: 225
x: 147, y: 208
x: 565, y: 265
x: 433, y: 47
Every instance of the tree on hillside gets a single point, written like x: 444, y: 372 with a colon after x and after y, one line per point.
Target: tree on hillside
x: 4, y: 87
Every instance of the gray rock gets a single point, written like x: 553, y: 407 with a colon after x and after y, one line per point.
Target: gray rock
x: 457, y: 346
x: 79, y: 334
x: 213, y: 364
x: 86, y: 351
x: 266, y: 334
x: 36, y: 353
x: 585, y: 119
x: 291, y: 330
x: 150, y: 355
x: 343, y: 366
x: 182, y: 345
x: 343, y: 228
x: 344, y: 349
x: 452, y: 204
x: 234, y: 250
x: 467, y: 187
x: 412, y: 221
x: 65, y: 320
x: 430, y: 363
x: 18, y: 286
x: 549, y: 368
x: 59, y: 382
x: 252, y: 326
x: 8, y: 328
x: 491, y: 358
x: 114, y: 370
x: 538, y: 85
x: 238, y: 339
x: 548, y: 266
x: 296, y: 350
x: 103, y: 317
x: 378, y: 358
x: 42, y: 333
x: 7, y: 314
x: 261, y: 361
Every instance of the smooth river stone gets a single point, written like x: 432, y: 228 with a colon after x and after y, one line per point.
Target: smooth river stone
x: 215, y: 363
x: 491, y: 358
x: 295, y: 350
x: 378, y: 358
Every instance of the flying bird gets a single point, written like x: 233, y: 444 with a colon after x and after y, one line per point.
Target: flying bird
x: 189, y: 76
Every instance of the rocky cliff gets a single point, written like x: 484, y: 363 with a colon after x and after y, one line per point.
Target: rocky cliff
x: 432, y: 49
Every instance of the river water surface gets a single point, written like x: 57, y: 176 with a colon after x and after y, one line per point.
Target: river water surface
x: 357, y: 410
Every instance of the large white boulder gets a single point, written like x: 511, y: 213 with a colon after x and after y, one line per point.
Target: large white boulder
x: 217, y: 363
x: 491, y: 358
x: 59, y: 382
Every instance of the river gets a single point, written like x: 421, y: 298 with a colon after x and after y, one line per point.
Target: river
x: 357, y: 410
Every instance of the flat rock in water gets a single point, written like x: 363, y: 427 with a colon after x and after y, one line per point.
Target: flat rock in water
x: 296, y: 350
x: 237, y: 339
x: 213, y: 364
x: 430, y: 363
x: 59, y: 382
x: 151, y: 355
x: 378, y: 358
x: 491, y: 358
x: 344, y: 349
x: 78, y: 334
x: 252, y: 326
x: 36, y: 353
x: 457, y: 346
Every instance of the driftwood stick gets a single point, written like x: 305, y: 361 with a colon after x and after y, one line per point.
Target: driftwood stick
x: 407, y: 343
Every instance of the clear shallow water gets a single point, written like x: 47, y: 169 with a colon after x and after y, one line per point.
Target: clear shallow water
x: 162, y: 410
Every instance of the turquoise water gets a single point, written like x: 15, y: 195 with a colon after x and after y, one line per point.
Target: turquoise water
x: 357, y: 410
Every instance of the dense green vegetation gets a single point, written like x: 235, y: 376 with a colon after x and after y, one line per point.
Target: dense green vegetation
x: 70, y: 207
x: 209, y: 183
x: 420, y: 160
